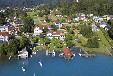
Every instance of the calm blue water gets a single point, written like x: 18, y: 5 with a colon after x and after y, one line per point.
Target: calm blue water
x: 101, y: 65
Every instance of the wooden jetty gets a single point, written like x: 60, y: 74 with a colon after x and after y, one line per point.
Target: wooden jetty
x: 86, y: 54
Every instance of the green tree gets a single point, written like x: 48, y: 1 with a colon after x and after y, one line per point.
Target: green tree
x: 47, y: 41
x: 34, y: 39
x: 28, y: 24
x: 72, y: 32
x: 24, y: 41
x: 45, y: 30
x: 54, y: 28
x: 93, y: 42
x: 41, y: 35
x: 13, y: 46
x: 2, y: 18
x: 86, y: 31
x: 1, y: 50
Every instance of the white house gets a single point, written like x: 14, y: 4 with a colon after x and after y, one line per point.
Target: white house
x: 58, y: 24
x: 98, y: 19
x: 17, y: 22
x: 13, y: 30
x: 62, y: 36
x: 3, y: 28
x: 37, y: 31
x: 23, y: 54
x: 55, y: 34
x: 94, y: 27
x: 76, y: 18
x: 103, y: 25
x: 4, y: 36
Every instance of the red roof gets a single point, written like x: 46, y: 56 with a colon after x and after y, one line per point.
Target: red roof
x: 54, y: 32
x: 4, y: 33
x: 68, y: 53
x: 43, y: 25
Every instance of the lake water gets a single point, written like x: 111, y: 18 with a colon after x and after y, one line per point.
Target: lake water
x: 101, y: 65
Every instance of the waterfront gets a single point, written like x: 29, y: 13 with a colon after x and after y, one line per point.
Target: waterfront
x: 101, y: 65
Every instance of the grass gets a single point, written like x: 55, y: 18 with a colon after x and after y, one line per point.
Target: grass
x: 31, y: 14
x: 50, y: 46
x: 101, y: 50
x: 103, y: 41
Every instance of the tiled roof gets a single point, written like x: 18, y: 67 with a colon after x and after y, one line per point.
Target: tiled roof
x: 4, y: 33
x: 42, y: 26
x: 54, y: 32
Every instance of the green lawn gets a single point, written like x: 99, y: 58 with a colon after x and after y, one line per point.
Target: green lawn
x: 102, y: 50
x: 31, y: 14
x: 37, y: 20
x: 103, y: 41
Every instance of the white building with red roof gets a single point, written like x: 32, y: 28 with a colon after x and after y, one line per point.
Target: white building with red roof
x: 4, y: 36
x: 39, y: 29
x: 58, y: 24
x: 55, y: 34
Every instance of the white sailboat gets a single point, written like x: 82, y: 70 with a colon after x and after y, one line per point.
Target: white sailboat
x: 23, y: 69
x: 9, y: 57
x: 79, y: 54
x: 40, y: 64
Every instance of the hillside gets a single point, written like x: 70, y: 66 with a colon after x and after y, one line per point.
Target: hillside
x: 25, y: 3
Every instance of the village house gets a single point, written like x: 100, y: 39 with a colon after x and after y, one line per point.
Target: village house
x: 67, y: 53
x: 62, y: 36
x: 4, y: 36
x: 58, y: 15
x: 3, y: 28
x: 55, y: 34
x: 68, y: 20
x: 13, y: 31
x: 23, y: 54
x: 109, y: 17
x: 39, y: 29
x: 82, y: 17
x: 94, y: 27
x: 17, y: 22
x: 103, y: 24
x: 76, y: 18
x: 58, y: 24
x: 97, y: 19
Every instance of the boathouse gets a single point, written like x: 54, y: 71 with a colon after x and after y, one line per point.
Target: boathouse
x: 67, y: 53
x: 23, y: 54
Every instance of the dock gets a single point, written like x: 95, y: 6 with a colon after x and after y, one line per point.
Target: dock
x: 86, y: 54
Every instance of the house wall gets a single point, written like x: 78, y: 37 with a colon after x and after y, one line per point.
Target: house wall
x: 4, y: 29
x: 37, y: 31
x: 4, y: 38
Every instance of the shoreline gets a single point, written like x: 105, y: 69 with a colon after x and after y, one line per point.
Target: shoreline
x: 94, y: 51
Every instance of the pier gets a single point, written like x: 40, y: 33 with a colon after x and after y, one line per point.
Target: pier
x: 86, y: 54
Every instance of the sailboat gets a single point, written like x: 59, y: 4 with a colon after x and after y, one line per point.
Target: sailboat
x: 23, y: 69
x: 40, y: 63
